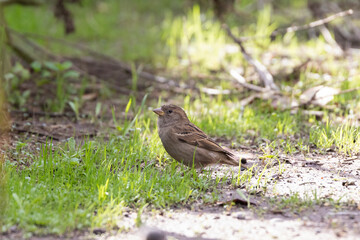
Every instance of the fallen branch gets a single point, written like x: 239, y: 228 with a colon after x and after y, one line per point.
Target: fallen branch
x: 58, y: 136
x: 26, y: 49
x: 42, y: 114
x: 241, y: 80
x: 264, y: 74
x: 38, y: 133
x: 30, y: 52
x: 109, y: 60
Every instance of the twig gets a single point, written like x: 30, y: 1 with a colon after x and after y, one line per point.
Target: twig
x: 264, y: 74
x: 240, y: 79
x: 318, y: 22
x: 39, y: 113
x: 213, y: 91
x: 303, y: 27
x: 248, y: 100
x: 351, y: 159
x: 304, y: 183
x: 330, y: 40
x: 22, y: 130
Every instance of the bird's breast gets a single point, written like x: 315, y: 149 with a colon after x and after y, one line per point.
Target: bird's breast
x: 177, y: 149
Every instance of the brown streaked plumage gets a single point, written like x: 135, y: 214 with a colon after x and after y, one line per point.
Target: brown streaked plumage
x: 186, y: 143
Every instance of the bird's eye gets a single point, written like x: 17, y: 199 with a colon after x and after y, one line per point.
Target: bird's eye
x: 170, y: 111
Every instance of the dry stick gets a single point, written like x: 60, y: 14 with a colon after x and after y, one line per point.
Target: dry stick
x: 40, y: 113
x: 329, y: 39
x: 45, y: 134
x: 240, y: 79
x: 261, y: 92
x: 318, y: 22
x: 303, y: 27
x: 213, y: 91
x: 162, y: 81
x: 21, y: 130
x: 264, y: 74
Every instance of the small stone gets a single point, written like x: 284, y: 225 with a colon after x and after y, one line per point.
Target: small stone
x: 240, y: 217
x: 155, y: 235
x: 99, y: 231
x: 13, y: 229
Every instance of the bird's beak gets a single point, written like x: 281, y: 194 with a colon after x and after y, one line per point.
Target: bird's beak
x: 158, y: 111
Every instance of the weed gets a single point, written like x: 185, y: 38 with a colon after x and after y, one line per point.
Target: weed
x: 62, y: 73
x: 13, y: 82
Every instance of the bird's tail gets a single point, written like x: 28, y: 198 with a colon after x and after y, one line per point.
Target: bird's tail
x: 234, y: 158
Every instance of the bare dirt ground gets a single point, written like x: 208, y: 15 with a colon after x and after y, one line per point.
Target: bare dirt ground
x: 332, y: 180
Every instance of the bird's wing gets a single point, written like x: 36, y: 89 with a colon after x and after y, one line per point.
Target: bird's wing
x: 191, y: 134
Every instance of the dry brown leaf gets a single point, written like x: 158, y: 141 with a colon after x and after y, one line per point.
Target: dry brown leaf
x: 319, y: 95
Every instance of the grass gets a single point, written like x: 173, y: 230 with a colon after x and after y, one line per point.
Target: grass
x: 295, y: 203
x: 74, y: 186
x: 196, y: 41
x: 344, y: 138
x: 71, y: 186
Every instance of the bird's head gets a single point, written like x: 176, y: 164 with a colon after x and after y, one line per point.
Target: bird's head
x: 170, y: 114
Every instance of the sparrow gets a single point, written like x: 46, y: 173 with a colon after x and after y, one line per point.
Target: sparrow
x: 187, y: 143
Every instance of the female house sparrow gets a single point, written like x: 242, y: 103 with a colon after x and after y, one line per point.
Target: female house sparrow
x: 186, y: 143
